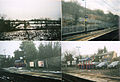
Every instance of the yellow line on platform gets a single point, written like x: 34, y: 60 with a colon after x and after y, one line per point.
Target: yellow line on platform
x: 90, y: 35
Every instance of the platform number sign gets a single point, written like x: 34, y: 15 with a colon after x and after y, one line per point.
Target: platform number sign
x: 40, y: 63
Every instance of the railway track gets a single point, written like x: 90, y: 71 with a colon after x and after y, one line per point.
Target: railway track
x: 71, y: 78
x: 89, y: 35
x: 44, y: 75
x: 112, y: 36
x: 95, y: 76
x: 6, y: 76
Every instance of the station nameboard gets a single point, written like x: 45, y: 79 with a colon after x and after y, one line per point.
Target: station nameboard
x: 40, y: 63
x: 31, y: 64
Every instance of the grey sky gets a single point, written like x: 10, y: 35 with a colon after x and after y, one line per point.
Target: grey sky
x: 90, y: 47
x: 29, y: 9
x: 8, y: 47
x: 86, y: 47
x: 105, y: 5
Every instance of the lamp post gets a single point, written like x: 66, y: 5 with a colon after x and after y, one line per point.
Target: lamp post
x: 4, y: 51
x: 119, y: 27
x: 85, y: 17
x: 78, y: 49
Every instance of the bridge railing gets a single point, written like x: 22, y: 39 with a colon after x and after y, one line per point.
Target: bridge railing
x: 40, y: 24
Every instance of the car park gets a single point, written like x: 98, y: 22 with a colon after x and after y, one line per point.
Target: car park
x: 102, y: 65
x: 114, y: 64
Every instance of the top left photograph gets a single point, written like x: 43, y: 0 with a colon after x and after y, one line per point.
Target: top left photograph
x: 37, y: 20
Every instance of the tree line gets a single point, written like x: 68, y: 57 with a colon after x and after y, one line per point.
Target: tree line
x: 29, y: 52
x: 72, y: 11
x: 68, y: 56
x: 5, y: 26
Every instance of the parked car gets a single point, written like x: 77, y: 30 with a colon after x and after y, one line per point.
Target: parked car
x: 114, y: 64
x: 95, y: 63
x: 102, y: 65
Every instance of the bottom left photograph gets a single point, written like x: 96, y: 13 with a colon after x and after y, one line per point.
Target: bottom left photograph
x: 30, y: 61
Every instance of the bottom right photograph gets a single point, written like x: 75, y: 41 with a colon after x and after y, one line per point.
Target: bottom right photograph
x: 90, y: 61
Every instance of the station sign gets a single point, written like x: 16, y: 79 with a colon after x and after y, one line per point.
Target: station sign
x: 86, y: 16
x: 31, y: 64
x: 40, y: 63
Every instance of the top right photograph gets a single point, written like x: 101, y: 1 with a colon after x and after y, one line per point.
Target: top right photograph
x: 90, y: 20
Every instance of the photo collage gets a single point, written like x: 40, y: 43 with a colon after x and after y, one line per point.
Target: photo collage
x: 59, y: 41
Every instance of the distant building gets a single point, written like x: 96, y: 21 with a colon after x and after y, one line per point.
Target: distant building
x: 72, y: 63
x: 108, y: 56
x: 2, y: 56
x: 64, y: 64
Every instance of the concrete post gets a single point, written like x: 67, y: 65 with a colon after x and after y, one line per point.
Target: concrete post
x: 119, y: 27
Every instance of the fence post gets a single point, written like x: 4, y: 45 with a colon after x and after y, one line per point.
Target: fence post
x: 119, y: 27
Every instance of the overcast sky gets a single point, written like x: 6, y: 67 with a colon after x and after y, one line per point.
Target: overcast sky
x: 90, y: 47
x: 105, y: 5
x: 8, y: 47
x: 86, y: 47
x: 29, y: 9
